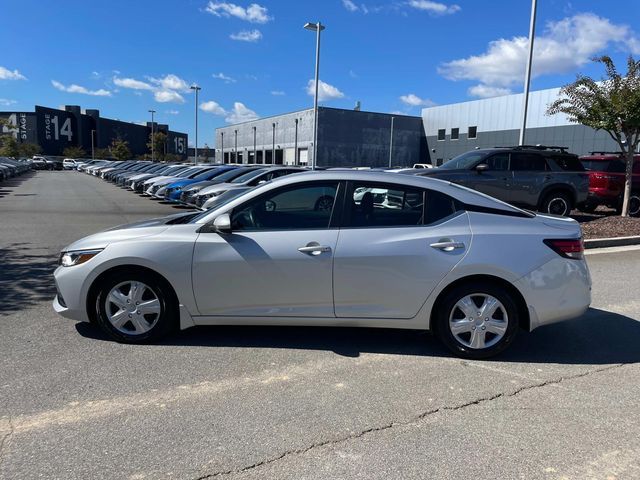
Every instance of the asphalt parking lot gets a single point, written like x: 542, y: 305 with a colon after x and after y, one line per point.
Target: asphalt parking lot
x: 246, y: 402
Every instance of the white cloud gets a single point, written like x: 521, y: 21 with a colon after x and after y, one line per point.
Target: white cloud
x: 254, y: 13
x: 434, y: 8
x: 6, y: 74
x: 325, y: 91
x: 485, y: 91
x: 247, y: 36
x: 5, y: 102
x: 563, y: 46
x: 132, y: 83
x: 277, y: 93
x: 415, y: 101
x: 353, y: 74
x: 166, y: 96
x: 240, y: 113
x: 349, y: 5
x: 73, y: 88
x: 171, y: 82
x: 212, y: 107
x: 223, y: 77
x: 165, y: 89
x: 171, y: 112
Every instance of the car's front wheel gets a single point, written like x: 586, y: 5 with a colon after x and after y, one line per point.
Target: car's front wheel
x: 135, y: 307
x: 477, y: 320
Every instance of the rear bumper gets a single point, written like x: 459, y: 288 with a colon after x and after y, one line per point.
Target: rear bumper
x: 558, y: 290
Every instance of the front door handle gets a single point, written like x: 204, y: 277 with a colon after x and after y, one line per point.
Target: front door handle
x: 314, y: 249
x: 447, y: 245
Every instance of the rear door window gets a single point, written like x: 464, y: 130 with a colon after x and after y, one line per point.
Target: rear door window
x: 569, y: 163
x: 384, y: 205
x: 529, y: 162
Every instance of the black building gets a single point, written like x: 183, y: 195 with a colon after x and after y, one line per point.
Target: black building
x: 54, y: 130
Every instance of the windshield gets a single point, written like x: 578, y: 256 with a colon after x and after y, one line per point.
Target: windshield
x: 464, y: 161
x: 249, y: 176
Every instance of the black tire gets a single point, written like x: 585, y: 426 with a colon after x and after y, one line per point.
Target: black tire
x: 634, y: 205
x: 446, y: 309
x: 557, y: 203
x: 167, y: 320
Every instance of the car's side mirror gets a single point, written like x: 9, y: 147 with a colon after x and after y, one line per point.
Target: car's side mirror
x: 222, y: 223
x: 482, y: 167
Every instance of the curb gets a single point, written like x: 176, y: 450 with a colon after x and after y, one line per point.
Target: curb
x: 611, y: 242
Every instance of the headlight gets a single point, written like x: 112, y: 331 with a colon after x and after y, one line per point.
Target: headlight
x: 69, y: 259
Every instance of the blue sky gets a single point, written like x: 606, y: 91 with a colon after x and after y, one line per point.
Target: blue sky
x: 253, y: 58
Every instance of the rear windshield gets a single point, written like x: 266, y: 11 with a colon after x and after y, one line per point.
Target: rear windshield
x: 613, y: 166
x: 569, y: 163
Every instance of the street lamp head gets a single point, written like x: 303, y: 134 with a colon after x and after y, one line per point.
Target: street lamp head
x: 152, y: 111
x: 314, y: 26
x: 195, y: 87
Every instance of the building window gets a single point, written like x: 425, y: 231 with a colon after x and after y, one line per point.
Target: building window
x: 455, y: 133
x: 442, y: 134
x: 473, y: 132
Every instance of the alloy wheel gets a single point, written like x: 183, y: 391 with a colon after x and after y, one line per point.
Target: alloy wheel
x: 478, y: 321
x: 132, y: 308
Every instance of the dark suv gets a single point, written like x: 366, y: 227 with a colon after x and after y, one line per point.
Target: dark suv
x: 541, y: 178
x: 606, y: 181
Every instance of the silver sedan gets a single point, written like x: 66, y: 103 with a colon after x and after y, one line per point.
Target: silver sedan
x: 341, y: 248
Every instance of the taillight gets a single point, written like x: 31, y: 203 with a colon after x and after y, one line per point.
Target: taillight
x: 568, y: 248
x: 601, y: 180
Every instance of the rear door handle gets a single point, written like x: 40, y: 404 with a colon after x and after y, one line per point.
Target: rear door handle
x: 447, y: 246
x: 314, y: 249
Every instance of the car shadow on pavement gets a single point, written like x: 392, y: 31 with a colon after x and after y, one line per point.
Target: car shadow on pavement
x: 25, y: 276
x: 598, y: 337
x: 7, y: 185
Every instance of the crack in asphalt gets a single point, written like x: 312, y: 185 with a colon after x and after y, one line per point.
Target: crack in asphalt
x: 414, y: 419
x: 5, y: 440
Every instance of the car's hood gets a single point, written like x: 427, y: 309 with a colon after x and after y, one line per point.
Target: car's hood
x: 156, y: 179
x: 220, y: 187
x: 144, y: 228
x: 165, y: 181
x: 181, y: 183
x: 199, y: 185
x: 141, y: 176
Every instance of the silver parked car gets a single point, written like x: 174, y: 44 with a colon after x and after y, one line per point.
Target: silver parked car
x: 342, y: 248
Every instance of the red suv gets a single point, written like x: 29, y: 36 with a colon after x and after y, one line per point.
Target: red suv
x: 606, y: 181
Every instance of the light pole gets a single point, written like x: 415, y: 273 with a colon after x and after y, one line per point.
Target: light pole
x: 153, y: 140
x: 391, y: 142
x: 196, y: 88
x: 527, y: 75
x: 255, y: 158
x: 93, y: 145
x: 316, y: 27
x: 273, y: 147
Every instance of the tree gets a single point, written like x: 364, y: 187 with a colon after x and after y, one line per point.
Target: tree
x: 9, y: 146
x: 74, y: 152
x: 158, y: 141
x: 120, y: 149
x: 102, y: 153
x: 29, y: 149
x: 612, y: 105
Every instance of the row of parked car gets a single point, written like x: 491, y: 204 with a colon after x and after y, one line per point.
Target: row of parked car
x: 10, y: 167
x: 541, y: 178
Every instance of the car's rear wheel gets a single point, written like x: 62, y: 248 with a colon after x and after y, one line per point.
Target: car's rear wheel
x: 477, y: 320
x: 634, y: 205
x: 557, y: 203
x: 135, y: 307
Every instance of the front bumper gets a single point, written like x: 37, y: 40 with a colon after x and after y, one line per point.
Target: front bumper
x: 70, y: 298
